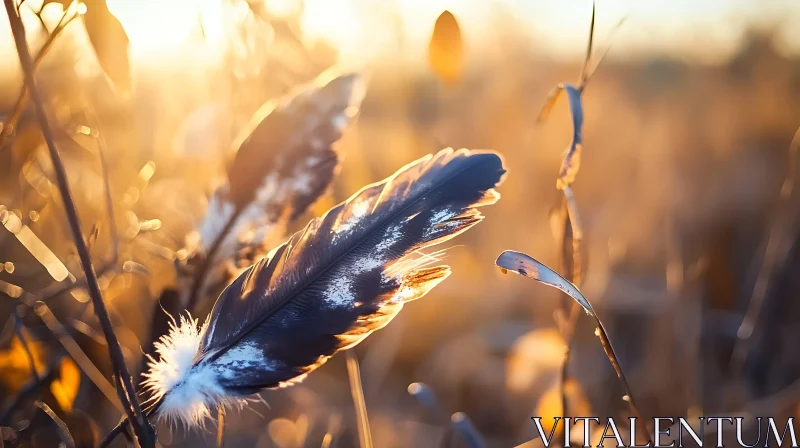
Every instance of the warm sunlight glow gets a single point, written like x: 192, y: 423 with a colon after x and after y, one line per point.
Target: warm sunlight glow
x: 161, y: 27
x: 338, y: 22
x: 365, y: 31
x: 33, y: 244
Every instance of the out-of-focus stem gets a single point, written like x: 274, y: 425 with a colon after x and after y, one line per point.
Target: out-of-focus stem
x: 353, y: 373
x: 22, y: 99
x: 138, y: 420
x: 220, y: 426
x: 775, y: 254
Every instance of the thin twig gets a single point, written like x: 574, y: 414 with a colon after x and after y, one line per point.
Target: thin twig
x: 101, y: 151
x: 22, y: 99
x: 220, y: 426
x: 526, y: 266
x: 72, y: 348
x: 585, y: 70
x: 774, y: 255
x: 605, y: 53
x: 109, y: 265
x: 18, y: 329
x: 63, y: 430
x: 77, y: 354
x: 571, y: 268
x: 57, y: 289
x: 117, y: 430
x: 29, y: 390
x: 141, y: 426
x: 199, y: 277
x: 572, y: 231
x: 120, y: 427
x: 353, y: 373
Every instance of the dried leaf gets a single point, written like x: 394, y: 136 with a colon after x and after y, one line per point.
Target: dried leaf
x: 569, y: 167
x: 526, y: 266
x: 110, y: 43
x: 446, y: 49
x: 550, y: 103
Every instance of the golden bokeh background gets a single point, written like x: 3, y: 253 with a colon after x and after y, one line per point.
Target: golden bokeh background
x: 688, y: 124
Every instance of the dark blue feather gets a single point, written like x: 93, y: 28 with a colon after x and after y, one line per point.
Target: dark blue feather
x: 346, y: 273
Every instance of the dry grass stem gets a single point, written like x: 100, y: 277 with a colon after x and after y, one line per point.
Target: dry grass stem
x: 526, y: 266
x: 353, y: 373
x: 139, y: 422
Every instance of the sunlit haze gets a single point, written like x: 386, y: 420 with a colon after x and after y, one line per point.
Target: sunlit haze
x: 368, y: 29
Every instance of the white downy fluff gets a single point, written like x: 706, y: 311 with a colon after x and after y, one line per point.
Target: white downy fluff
x: 187, y: 393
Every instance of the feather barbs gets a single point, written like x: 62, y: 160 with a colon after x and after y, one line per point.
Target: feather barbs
x: 283, y: 161
x: 345, y: 275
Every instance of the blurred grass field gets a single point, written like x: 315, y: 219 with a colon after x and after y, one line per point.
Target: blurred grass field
x: 682, y: 168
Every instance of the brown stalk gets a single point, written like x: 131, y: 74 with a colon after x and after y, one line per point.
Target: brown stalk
x: 220, y: 426
x: 572, y: 231
x: 127, y: 393
x: 353, y: 373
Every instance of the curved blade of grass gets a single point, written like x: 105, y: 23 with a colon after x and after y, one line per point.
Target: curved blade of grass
x: 527, y: 266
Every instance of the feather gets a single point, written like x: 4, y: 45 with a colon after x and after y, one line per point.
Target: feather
x: 284, y: 162
x: 343, y: 276
x: 305, y: 123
